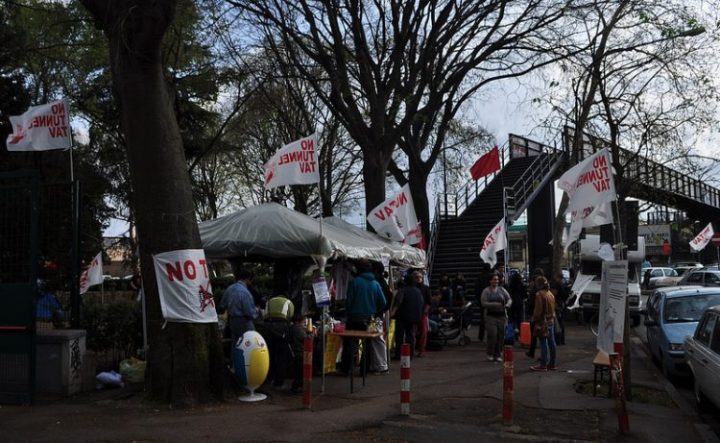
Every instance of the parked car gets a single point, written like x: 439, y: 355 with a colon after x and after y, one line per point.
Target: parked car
x: 660, y: 277
x: 686, y: 264
x: 681, y: 270
x: 703, y: 358
x: 701, y: 277
x: 672, y: 314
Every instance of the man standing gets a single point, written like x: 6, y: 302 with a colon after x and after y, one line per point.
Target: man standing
x: 280, y: 312
x: 364, y: 299
x: 407, y: 312
x: 238, y: 302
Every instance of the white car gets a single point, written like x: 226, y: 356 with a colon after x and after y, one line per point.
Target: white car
x: 702, y: 351
x: 660, y: 277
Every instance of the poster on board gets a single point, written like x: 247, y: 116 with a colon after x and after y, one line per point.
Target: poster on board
x: 613, y: 294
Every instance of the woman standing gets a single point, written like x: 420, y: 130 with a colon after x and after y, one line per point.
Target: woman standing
x: 495, y: 299
x: 544, y: 321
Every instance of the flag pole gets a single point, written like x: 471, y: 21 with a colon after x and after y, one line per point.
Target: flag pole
x: 506, y: 253
x: 72, y: 145
x: 72, y: 168
x: 325, y: 309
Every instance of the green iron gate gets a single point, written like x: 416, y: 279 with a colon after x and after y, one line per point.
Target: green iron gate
x: 19, y: 207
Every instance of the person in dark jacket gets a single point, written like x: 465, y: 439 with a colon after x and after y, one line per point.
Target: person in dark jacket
x: 422, y: 332
x: 407, y: 312
x: 298, y: 333
x: 560, y: 292
x: 279, y: 314
x: 518, y: 294
x: 365, y: 299
x: 532, y: 290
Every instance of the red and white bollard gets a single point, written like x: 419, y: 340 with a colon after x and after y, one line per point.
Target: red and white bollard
x: 307, y: 372
x: 508, y: 366
x: 616, y: 367
x: 405, y: 379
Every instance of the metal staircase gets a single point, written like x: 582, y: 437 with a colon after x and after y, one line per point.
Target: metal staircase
x: 462, y: 220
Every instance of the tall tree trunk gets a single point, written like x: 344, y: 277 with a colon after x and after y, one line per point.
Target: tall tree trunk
x: 374, y: 170
x: 185, y: 360
x: 417, y: 178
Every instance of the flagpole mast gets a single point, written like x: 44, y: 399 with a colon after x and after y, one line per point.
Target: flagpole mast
x: 72, y: 167
x: 506, y: 253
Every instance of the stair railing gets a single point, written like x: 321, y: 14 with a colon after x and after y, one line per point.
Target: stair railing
x: 452, y: 205
x: 434, y: 231
x: 642, y: 169
x: 521, y: 194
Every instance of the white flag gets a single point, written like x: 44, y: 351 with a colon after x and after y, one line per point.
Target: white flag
x: 495, y: 241
x: 703, y: 238
x: 41, y: 128
x: 589, y: 183
x: 294, y: 164
x: 92, y: 275
x: 184, y: 286
x: 395, y: 218
x: 587, y: 218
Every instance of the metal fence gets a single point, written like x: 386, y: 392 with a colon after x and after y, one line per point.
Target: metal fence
x: 19, y: 225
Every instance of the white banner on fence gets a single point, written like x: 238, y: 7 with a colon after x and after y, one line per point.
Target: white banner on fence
x: 184, y: 286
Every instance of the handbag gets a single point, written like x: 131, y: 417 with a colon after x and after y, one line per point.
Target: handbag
x: 541, y: 330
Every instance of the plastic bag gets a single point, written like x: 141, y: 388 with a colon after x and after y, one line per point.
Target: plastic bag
x: 509, y: 334
x: 133, y: 370
x: 109, y: 379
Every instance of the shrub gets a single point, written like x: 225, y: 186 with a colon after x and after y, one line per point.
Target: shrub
x: 114, y: 328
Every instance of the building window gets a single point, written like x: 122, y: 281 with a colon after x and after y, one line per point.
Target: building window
x: 517, y: 250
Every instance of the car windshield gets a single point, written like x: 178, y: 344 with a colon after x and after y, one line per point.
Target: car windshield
x: 690, y: 308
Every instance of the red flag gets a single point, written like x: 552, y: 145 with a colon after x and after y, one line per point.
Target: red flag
x: 487, y: 164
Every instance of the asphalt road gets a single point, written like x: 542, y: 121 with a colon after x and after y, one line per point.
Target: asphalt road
x: 684, y: 386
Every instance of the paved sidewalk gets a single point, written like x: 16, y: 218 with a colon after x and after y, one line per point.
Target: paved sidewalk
x: 456, y: 396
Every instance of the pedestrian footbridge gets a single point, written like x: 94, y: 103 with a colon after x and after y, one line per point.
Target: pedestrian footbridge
x: 525, y: 183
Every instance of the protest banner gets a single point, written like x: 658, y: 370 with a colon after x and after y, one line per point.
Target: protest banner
x: 294, y: 164
x: 184, y: 286
x: 702, y: 239
x: 41, y: 128
x: 495, y: 241
x: 591, y: 189
x: 395, y: 218
x: 92, y: 275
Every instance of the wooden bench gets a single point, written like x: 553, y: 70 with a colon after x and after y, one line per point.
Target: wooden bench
x: 601, y: 363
